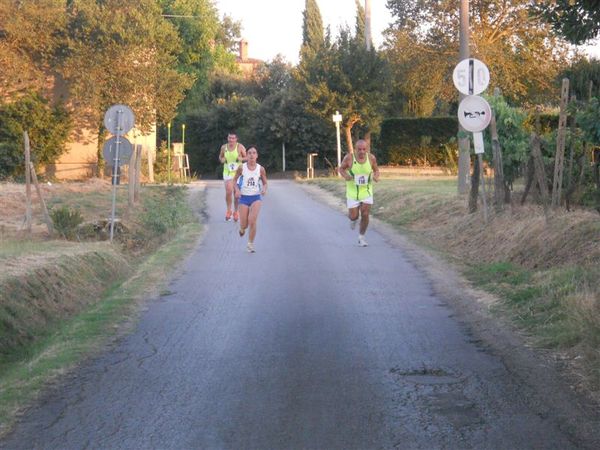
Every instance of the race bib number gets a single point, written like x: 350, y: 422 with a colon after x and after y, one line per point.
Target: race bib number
x: 251, y: 182
x: 361, y: 179
x: 232, y: 167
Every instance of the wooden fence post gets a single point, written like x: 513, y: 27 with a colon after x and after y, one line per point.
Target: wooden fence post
x: 131, y: 181
x: 499, y: 191
x: 540, y: 173
x: 150, y: 155
x: 138, y: 173
x: 559, y: 159
x: 42, y: 201
x: 27, y: 182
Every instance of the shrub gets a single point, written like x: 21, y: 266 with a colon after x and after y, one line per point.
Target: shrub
x: 66, y: 221
x: 165, y: 214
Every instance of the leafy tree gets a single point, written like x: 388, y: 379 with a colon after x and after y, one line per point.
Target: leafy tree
x: 48, y: 128
x: 587, y: 119
x: 522, y: 52
x: 513, y: 137
x: 345, y: 77
x: 205, y: 43
x: 29, y: 38
x: 580, y: 74
x: 576, y: 20
x: 129, y: 52
x: 208, y: 128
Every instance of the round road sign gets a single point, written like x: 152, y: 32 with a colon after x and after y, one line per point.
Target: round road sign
x: 471, y: 76
x: 110, y: 149
x: 119, y: 119
x: 474, y: 113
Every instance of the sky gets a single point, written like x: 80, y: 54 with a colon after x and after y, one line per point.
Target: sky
x: 275, y: 26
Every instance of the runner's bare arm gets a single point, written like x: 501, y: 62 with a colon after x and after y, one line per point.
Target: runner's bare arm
x: 344, y: 166
x: 222, y: 155
x: 242, y: 151
x: 374, y: 166
x: 236, y: 188
x: 263, y: 176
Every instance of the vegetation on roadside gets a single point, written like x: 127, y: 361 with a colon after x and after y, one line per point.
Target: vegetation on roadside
x: 60, y: 300
x: 546, y: 274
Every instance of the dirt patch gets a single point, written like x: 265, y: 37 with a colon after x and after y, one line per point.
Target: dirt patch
x: 13, y: 203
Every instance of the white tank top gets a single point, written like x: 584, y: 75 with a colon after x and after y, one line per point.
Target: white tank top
x: 250, y: 180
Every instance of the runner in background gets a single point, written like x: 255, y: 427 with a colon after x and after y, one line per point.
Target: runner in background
x: 231, y: 155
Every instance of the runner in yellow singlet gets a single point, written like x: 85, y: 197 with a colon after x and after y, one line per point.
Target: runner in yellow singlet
x: 231, y: 156
x: 359, y: 170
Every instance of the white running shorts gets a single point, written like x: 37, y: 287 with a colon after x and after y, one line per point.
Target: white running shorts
x: 355, y: 203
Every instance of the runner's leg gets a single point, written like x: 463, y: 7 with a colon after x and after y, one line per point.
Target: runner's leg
x: 252, y: 217
x: 365, y: 208
x: 244, y: 210
x: 228, y: 194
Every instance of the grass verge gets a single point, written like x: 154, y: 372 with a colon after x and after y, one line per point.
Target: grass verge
x: 52, y: 332
x: 545, y: 273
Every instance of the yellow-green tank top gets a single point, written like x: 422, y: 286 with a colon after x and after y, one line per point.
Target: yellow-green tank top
x: 231, y: 161
x: 361, y: 185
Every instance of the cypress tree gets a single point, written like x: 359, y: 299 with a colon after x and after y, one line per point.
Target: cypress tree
x: 312, y: 29
x: 360, y: 22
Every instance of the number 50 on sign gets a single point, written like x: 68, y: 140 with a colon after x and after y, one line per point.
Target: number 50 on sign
x: 471, y: 76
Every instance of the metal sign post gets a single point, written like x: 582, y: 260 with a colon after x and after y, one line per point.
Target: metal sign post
x: 472, y: 77
x: 119, y: 119
x: 115, y: 176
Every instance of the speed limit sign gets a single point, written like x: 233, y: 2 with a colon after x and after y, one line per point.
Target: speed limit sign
x: 471, y: 76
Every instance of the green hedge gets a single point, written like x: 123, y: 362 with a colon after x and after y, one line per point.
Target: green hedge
x: 417, y: 141
x: 548, y: 122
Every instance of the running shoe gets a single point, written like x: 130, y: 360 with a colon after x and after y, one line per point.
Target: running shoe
x: 361, y: 241
x: 353, y: 224
x: 241, y: 232
x: 236, y: 216
x: 227, y: 216
x: 250, y: 247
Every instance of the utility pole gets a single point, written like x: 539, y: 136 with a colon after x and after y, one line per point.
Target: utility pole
x: 464, y: 144
x: 368, y: 24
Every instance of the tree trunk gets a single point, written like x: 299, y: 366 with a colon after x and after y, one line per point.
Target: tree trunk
x: 368, y: 140
x: 348, y: 134
x: 528, y: 179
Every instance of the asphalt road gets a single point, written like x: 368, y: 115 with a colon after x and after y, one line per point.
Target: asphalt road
x: 311, y: 342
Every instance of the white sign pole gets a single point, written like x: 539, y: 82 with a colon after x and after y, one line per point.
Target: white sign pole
x: 283, y: 156
x: 337, y: 118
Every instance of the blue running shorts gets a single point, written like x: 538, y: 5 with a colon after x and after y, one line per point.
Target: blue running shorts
x: 249, y: 199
